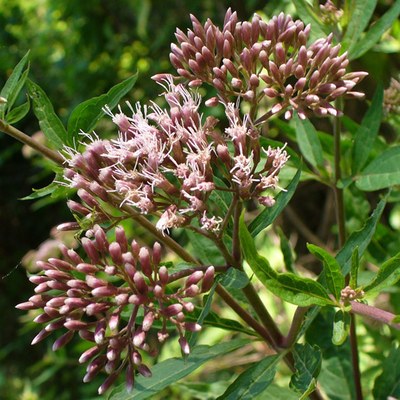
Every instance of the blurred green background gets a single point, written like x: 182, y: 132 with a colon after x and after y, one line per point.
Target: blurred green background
x: 79, y: 49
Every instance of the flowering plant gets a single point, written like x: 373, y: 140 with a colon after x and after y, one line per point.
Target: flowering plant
x: 201, y: 176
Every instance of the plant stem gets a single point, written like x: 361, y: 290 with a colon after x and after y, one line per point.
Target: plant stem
x: 340, y: 219
x: 374, y: 313
x: 24, y: 138
x: 295, y: 326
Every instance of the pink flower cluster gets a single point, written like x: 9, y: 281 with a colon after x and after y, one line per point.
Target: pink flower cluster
x: 111, y: 297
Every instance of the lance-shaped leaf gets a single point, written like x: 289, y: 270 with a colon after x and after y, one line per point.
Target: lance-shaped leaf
x: 361, y: 238
x: 308, y: 141
x: 333, y: 275
x: 49, y: 122
x: 268, y: 215
x: 17, y: 113
x: 234, y: 279
x: 368, y: 131
x: 13, y: 85
x: 253, y: 381
x: 388, y: 275
x: 382, y: 172
x: 387, y: 383
x: 360, y: 12
x: 375, y: 32
x: 307, y: 362
x: 85, y: 116
x: 355, y: 264
x: 291, y: 288
x: 170, y: 371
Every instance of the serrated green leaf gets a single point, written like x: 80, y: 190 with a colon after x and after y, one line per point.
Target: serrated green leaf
x: 253, y: 381
x: 382, y: 172
x: 307, y: 362
x: 173, y: 369
x: 268, y: 215
x: 388, y: 382
x: 367, y: 132
x: 85, y: 116
x: 375, y: 32
x: 361, y: 238
x: 341, y: 327
x: 308, y: 141
x: 50, y: 124
x: 360, y: 14
x: 17, y: 113
x: 291, y: 288
x: 9, y: 89
x: 333, y: 275
x: 234, y: 279
x: 388, y: 275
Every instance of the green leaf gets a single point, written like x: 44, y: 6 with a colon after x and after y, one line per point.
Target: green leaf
x: 361, y: 238
x: 355, y: 264
x: 205, y: 310
x: 286, y: 250
x: 375, y: 32
x: 169, y: 371
x: 205, y: 249
x: 388, y: 275
x: 289, y: 287
x: 17, y: 113
x: 85, y: 116
x: 382, y: 172
x: 253, y: 381
x: 361, y: 13
x: 50, y: 124
x: 333, y: 275
x: 368, y: 131
x: 341, y: 327
x: 9, y: 91
x: 276, y: 392
x: 213, y: 319
x: 308, y: 15
x: 268, y: 215
x: 311, y: 387
x: 308, y: 141
x: 388, y: 382
x: 307, y: 362
x: 234, y: 279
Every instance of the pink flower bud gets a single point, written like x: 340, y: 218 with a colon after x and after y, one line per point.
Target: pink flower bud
x: 194, y: 278
x: 139, y: 337
x: 192, y: 326
x: 100, y: 332
x: 40, y: 336
x: 184, y: 345
x: 140, y: 283
x: 115, y: 252
x: 172, y: 310
x: 148, y: 321
x: 208, y: 279
x: 88, y: 354
x: 63, y: 340
x: 90, y: 250
x: 144, y: 370
x: 144, y: 258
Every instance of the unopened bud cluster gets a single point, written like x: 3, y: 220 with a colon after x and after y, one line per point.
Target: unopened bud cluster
x: 259, y: 60
x: 347, y: 294
x: 391, y: 99
x: 111, y: 297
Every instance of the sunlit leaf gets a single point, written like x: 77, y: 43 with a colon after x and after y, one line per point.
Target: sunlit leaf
x: 291, y: 288
x: 376, y: 31
x: 86, y: 115
x: 333, y: 275
x: 388, y: 275
x: 341, y: 327
x: 360, y: 238
x: 49, y: 122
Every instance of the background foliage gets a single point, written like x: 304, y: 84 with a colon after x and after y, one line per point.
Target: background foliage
x: 78, y: 50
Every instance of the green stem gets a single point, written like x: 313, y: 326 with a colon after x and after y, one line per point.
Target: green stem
x: 24, y: 138
x: 340, y: 219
